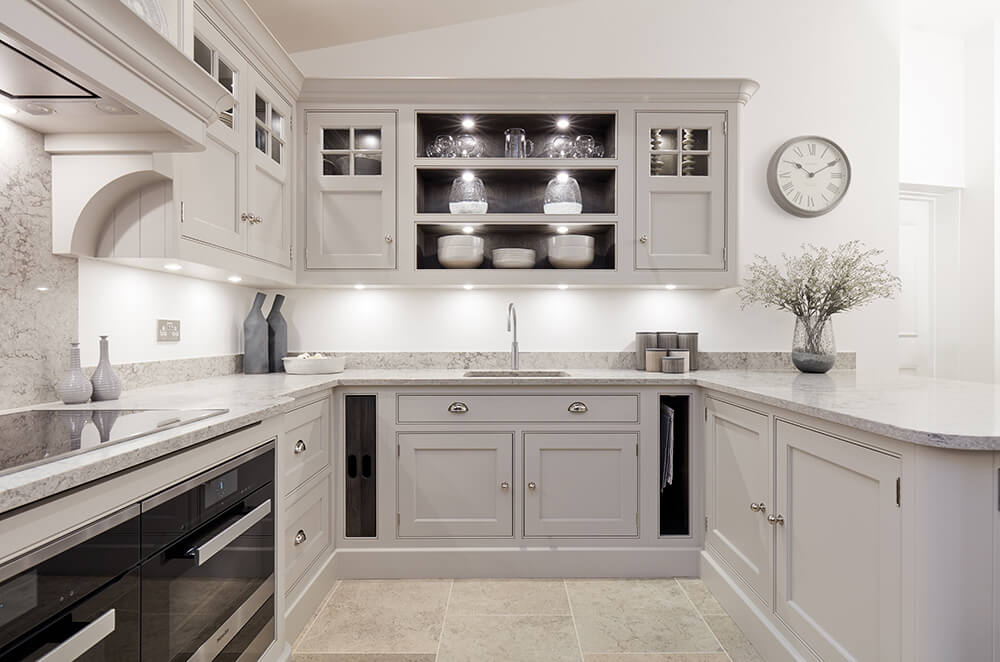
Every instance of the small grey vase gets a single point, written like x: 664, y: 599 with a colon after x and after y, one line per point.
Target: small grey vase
x: 255, y: 339
x: 107, y: 386
x: 74, y: 388
x: 277, y: 335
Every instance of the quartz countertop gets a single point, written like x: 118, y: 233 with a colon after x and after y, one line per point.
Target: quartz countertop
x: 932, y: 412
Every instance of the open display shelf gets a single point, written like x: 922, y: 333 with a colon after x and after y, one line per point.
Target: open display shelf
x: 533, y: 235
x: 517, y: 190
x: 540, y: 128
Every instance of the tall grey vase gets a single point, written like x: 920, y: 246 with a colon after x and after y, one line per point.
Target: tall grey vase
x: 255, y: 339
x: 106, y: 384
x: 74, y: 388
x: 277, y: 335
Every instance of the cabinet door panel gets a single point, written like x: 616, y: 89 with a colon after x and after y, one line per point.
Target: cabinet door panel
x: 680, y: 191
x: 452, y: 484
x: 738, y: 466
x: 351, y: 196
x: 838, y: 550
x: 580, y: 484
x: 269, y: 189
x: 213, y: 182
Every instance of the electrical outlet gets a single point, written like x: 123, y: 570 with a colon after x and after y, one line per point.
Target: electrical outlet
x: 168, y: 330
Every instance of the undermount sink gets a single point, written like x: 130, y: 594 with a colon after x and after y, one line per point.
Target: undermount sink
x: 516, y: 373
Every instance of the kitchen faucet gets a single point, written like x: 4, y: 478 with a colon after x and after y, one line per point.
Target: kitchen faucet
x: 515, y: 360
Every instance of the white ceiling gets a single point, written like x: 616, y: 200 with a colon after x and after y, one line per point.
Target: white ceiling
x: 956, y: 16
x: 302, y: 25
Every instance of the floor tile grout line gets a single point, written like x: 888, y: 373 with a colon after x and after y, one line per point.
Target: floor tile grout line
x: 444, y: 619
x: 312, y: 619
x: 703, y: 619
x: 572, y: 618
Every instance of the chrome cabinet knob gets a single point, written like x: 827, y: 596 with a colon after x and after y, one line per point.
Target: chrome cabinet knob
x: 388, y: 239
x: 300, y: 537
x: 300, y: 447
x: 244, y: 217
x: 458, y: 407
x: 531, y: 485
x: 776, y: 519
x: 257, y: 220
x: 643, y: 239
x: 577, y: 408
x: 504, y: 485
x: 758, y: 507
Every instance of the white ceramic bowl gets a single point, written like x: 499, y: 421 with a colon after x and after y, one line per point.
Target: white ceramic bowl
x: 296, y: 366
x: 513, y: 258
x: 460, y: 257
x: 575, y: 254
x: 460, y: 240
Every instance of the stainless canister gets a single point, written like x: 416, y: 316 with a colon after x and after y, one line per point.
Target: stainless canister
x: 654, y: 357
x: 689, y: 341
x: 643, y: 339
x: 667, y: 339
x: 684, y: 354
x: 672, y: 364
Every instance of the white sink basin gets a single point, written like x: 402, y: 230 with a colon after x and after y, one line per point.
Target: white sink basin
x: 516, y: 373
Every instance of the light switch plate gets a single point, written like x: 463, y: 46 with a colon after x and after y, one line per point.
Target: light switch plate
x: 168, y: 330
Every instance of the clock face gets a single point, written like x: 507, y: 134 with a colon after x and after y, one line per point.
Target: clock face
x: 808, y: 175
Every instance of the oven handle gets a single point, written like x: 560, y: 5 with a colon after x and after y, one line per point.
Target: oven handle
x: 76, y: 646
x: 204, y: 552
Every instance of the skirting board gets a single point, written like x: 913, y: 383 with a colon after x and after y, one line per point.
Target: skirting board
x: 517, y: 562
x: 768, y: 640
x: 299, y: 612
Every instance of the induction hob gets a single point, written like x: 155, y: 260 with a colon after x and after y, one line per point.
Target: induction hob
x: 36, y: 436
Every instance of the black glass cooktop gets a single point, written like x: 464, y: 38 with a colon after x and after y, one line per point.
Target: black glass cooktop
x: 42, y: 435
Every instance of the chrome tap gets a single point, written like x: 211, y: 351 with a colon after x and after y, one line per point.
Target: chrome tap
x: 515, y: 360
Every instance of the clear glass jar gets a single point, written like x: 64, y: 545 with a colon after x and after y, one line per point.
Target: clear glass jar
x: 813, y: 347
x: 562, y: 195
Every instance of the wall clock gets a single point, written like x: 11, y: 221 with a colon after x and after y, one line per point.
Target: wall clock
x: 808, y: 176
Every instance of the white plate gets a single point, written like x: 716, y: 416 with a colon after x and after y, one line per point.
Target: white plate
x: 296, y: 366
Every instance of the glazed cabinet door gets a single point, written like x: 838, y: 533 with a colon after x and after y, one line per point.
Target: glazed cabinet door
x: 214, y: 182
x: 269, y: 194
x: 581, y: 484
x: 455, y: 484
x: 738, y: 492
x: 351, y: 190
x: 838, y: 545
x: 680, y: 185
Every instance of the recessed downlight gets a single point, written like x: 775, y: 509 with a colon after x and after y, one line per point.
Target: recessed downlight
x: 562, y: 229
x: 467, y: 286
x: 173, y: 266
x: 42, y: 288
x: 563, y: 286
x: 235, y: 279
x: 468, y: 175
x: 7, y: 109
x: 468, y: 123
x: 37, y: 109
x: 562, y: 123
x: 359, y: 286
x: 468, y: 229
x: 671, y: 286
x: 562, y: 177
x: 112, y: 107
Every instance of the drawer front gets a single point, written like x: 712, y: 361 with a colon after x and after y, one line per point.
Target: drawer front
x: 485, y: 408
x: 307, y: 531
x: 306, y: 447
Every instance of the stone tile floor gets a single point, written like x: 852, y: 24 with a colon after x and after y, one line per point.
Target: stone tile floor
x: 529, y: 620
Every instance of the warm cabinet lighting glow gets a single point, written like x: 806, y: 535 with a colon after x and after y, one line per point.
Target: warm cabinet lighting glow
x: 359, y: 286
x: 671, y: 287
x: 562, y: 177
x: 562, y: 123
x: 234, y: 279
x: 468, y: 175
x: 562, y: 229
x: 467, y: 286
x: 172, y: 267
x: 468, y: 123
x: 563, y: 286
x: 468, y: 229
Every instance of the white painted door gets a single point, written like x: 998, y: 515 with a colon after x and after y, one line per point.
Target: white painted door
x: 214, y: 182
x: 581, y: 484
x: 738, y: 476
x: 838, y: 574
x: 269, y: 199
x: 351, y: 196
x: 680, y: 187
x: 455, y: 484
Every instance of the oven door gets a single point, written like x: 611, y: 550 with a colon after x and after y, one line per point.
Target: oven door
x: 199, y: 592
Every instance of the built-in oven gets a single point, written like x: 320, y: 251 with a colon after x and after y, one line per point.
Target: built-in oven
x: 208, y: 564
x: 76, y: 598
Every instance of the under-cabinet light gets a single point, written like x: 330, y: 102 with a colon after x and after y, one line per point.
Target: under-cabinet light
x: 468, y: 175
x: 7, y: 109
x: 173, y: 266
x: 42, y: 288
x: 562, y: 123
x: 562, y: 229
x: 562, y: 177
x: 563, y: 286
x: 235, y: 279
x: 468, y: 123
x: 468, y: 229
x: 467, y: 286
x: 671, y: 286
x: 359, y: 286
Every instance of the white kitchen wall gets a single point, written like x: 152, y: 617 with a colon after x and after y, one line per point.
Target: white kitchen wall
x: 825, y: 68
x: 124, y: 303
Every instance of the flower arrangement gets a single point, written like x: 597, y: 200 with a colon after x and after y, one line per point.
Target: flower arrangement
x: 815, y: 286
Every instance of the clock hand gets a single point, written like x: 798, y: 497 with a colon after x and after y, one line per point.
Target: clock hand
x: 797, y: 165
x: 828, y: 165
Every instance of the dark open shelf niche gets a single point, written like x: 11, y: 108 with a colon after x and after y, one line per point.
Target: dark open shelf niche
x: 675, y: 499
x: 511, y: 235
x: 539, y: 127
x: 512, y: 191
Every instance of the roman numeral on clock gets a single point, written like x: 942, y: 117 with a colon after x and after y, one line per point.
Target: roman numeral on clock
x: 837, y: 175
x: 787, y: 186
x: 798, y: 197
x: 832, y: 188
x: 798, y: 151
x: 812, y: 149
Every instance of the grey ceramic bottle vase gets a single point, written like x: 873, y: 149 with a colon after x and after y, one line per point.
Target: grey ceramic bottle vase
x: 255, y: 339
x: 74, y: 388
x: 277, y: 335
x: 106, y: 384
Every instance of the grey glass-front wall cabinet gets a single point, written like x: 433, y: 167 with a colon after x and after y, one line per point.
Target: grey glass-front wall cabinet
x: 660, y: 196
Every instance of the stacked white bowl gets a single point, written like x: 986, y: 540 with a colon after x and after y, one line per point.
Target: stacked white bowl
x: 571, y: 251
x: 460, y: 251
x: 513, y: 258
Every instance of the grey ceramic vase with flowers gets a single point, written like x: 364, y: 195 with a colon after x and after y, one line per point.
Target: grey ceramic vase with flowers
x: 106, y: 384
x: 74, y: 388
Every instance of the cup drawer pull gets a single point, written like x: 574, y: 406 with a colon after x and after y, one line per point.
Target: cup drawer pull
x: 300, y: 447
x: 458, y: 407
x: 300, y: 537
x: 578, y: 408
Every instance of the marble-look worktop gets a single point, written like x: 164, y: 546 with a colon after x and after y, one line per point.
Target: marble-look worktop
x: 946, y: 414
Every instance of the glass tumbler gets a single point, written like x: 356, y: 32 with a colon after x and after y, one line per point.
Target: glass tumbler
x: 516, y: 144
x: 467, y: 145
x: 562, y: 196
x: 443, y: 145
x: 468, y: 196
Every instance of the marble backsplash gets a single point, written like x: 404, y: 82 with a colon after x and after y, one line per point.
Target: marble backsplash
x: 38, y: 290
